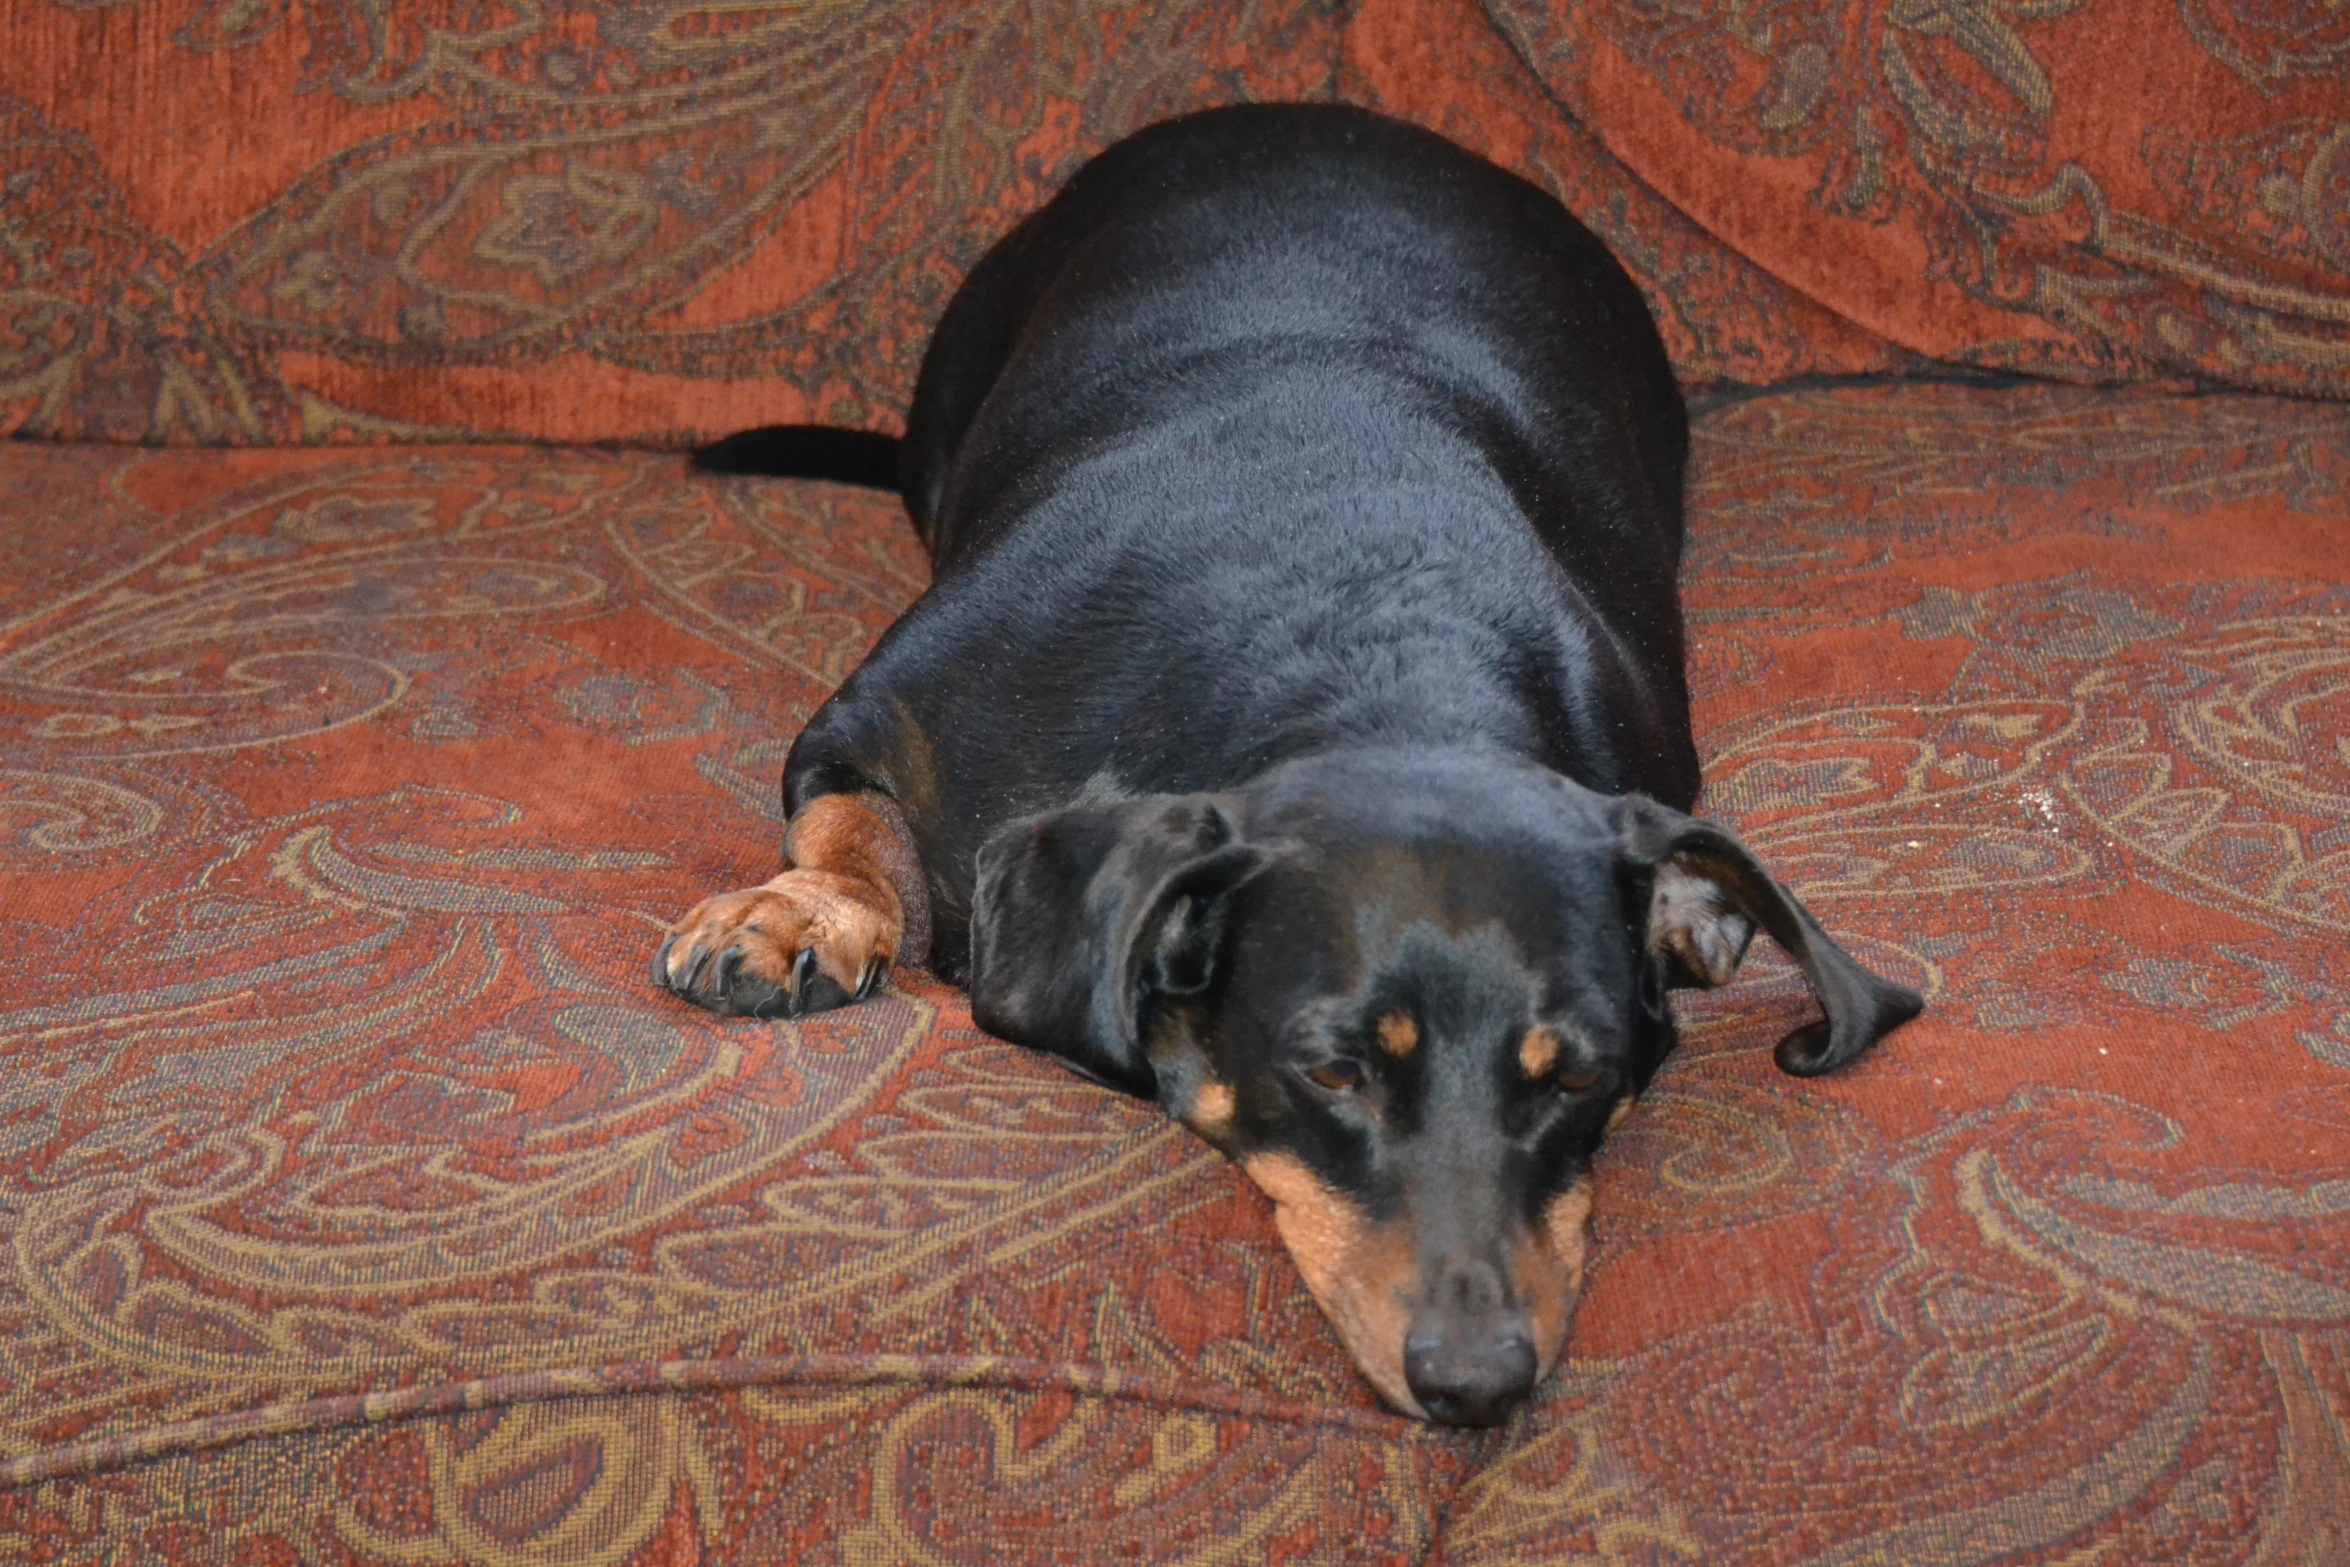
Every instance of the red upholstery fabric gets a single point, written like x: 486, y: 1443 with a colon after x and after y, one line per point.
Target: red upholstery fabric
x: 363, y: 1203
x: 247, y: 222
x: 2090, y: 189
x: 250, y: 222
x: 1723, y: 318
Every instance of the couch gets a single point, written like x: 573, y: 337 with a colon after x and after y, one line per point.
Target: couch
x: 375, y: 679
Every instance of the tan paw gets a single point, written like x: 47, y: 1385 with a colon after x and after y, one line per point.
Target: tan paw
x: 806, y: 942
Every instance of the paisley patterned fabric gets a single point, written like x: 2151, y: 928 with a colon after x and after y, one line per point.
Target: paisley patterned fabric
x: 1723, y: 318
x: 364, y: 1204
x: 250, y: 221
x: 2098, y: 190
x: 253, y: 222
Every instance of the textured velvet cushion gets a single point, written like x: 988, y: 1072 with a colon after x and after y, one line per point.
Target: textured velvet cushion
x: 2094, y: 189
x: 363, y: 1203
x: 255, y: 221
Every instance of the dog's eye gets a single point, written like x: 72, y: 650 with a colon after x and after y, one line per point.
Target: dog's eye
x: 1578, y: 1082
x: 1340, y: 1077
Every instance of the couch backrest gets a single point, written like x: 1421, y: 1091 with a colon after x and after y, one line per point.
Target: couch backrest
x: 255, y: 221
x: 2099, y: 190
x: 301, y: 220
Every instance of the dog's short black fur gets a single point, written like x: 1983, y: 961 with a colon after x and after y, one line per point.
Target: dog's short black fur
x: 1296, y: 732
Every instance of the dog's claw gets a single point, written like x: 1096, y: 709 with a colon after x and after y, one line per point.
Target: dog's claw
x: 803, y: 944
x: 803, y: 978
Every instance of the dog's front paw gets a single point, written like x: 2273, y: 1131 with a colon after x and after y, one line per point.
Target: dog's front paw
x: 807, y: 941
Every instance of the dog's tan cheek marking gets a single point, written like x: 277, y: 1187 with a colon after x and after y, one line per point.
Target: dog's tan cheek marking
x: 1359, y: 1274
x: 1199, y: 1099
x: 1566, y: 1226
x: 1399, y: 1036
x: 1538, y: 1052
x: 1615, y: 1117
x: 1549, y: 1269
x: 1212, y: 1107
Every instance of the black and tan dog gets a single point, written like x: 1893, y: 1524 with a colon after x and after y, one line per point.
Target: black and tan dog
x: 1295, y: 733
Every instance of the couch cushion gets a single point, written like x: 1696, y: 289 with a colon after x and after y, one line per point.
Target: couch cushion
x: 364, y: 1203
x: 345, y: 795
x: 262, y: 222
x: 1723, y: 318
x: 2097, y: 191
x: 247, y: 223
x: 2038, y: 697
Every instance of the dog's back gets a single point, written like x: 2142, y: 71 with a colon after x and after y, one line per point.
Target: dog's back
x: 1321, y: 253
x: 1281, y: 428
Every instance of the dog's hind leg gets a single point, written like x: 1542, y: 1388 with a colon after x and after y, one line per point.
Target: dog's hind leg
x: 822, y: 934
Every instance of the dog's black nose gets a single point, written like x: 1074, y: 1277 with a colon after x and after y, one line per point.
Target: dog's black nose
x: 1473, y: 1382
x: 1469, y: 1357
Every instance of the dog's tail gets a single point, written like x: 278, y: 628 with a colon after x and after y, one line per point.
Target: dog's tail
x: 807, y: 451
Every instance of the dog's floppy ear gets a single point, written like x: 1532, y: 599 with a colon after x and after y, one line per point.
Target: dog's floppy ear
x: 1711, y: 893
x: 1081, y: 917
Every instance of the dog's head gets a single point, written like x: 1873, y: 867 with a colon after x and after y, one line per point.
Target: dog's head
x: 1409, y: 996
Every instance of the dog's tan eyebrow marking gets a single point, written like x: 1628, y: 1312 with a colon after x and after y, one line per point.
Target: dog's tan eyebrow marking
x: 1538, y: 1052
x: 1399, y: 1036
